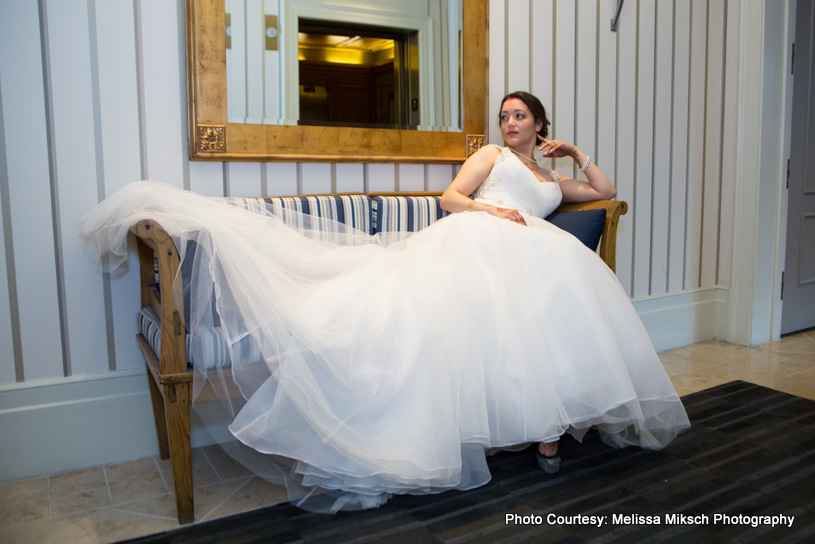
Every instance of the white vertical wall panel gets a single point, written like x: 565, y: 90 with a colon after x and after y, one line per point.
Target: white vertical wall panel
x: 317, y: 178
x: 206, y: 178
x: 411, y: 177
x: 696, y: 143
x: 542, y: 46
x: 8, y: 315
x: 663, y: 124
x: 497, y: 81
x: 124, y: 298
x: 729, y: 144
x: 439, y: 176
x: 563, y: 107
x: 586, y: 80
x: 164, y: 107
x: 679, y: 147
x: 26, y: 137
x: 716, y: 28
x: 644, y: 152
x: 350, y: 177
x: 381, y: 177
x: 118, y: 96
x: 244, y: 179
x: 517, y: 39
x: 119, y: 146
x: 606, y: 99
x: 281, y: 179
x: 8, y: 372
x: 626, y: 138
x: 75, y: 173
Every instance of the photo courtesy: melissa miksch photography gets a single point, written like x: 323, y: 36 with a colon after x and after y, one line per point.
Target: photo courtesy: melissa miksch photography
x: 595, y: 520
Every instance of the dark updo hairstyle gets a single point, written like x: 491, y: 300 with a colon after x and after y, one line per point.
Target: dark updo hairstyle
x: 534, y: 106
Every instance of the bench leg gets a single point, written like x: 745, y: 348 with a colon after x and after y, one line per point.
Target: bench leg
x: 177, y: 408
x: 159, y: 414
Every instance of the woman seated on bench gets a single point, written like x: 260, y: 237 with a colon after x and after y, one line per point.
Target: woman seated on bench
x: 525, y: 127
x: 396, y: 366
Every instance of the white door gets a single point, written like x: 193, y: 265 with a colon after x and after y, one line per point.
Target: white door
x: 798, y: 312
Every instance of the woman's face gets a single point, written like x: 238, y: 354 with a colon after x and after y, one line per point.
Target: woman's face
x: 518, y: 125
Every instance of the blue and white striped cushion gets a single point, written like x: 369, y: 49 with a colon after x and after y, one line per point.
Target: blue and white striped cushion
x: 149, y: 326
x: 207, y: 350
x: 405, y: 213
x: 353, y: 210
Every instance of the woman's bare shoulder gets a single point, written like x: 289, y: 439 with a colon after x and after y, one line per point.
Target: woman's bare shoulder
x: 488, y: 153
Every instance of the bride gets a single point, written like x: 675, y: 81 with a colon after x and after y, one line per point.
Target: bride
x: 382, y: 366
x: 524, y: 127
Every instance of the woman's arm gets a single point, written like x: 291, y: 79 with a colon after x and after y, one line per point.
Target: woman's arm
x: 456, y: 198
x: 599, y: 187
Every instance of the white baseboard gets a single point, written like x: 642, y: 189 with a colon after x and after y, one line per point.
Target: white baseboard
x: 685, y: 318
x: 67, y: 424
x: 59, y: 425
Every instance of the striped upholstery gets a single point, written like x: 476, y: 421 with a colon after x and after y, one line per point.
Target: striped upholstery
x: 353, y: 210
x: 405, y: 213
x: 208, y: 349
x: 149, y: 326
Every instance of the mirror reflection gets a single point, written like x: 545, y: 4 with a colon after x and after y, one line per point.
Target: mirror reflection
x: 385, y: 64
x: 358, y: 75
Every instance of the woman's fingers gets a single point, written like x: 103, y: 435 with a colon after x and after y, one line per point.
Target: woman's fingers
x: 554, y: 148
x: 549, y: 147
x: 515, y: 216
x: 508, y: 213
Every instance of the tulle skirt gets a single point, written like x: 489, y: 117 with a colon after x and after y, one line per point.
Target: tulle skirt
x: 384, y: 365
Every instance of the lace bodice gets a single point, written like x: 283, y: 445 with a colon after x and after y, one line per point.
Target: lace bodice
x: 512, y: 185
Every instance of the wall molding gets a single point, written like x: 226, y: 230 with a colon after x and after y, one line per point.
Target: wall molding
x: 688, y: 317
x: 58, y: 425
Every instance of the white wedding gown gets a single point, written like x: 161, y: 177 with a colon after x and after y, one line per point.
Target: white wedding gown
x: 395, y: 365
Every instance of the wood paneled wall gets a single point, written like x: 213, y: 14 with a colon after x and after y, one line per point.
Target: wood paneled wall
x: 92, y: 96
x: 654, y: 104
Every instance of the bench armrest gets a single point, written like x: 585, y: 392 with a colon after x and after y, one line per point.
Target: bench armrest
x: 155, y: 245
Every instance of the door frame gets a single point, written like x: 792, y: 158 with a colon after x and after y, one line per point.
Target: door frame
x: 766, y: 33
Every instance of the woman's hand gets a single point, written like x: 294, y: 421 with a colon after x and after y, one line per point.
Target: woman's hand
x: 507, y: 213
x: 599, y: 187
x: 555, y: 149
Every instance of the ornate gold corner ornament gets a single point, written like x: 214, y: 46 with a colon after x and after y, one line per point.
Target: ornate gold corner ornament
x: 212, y: 138
x: 474, y: 143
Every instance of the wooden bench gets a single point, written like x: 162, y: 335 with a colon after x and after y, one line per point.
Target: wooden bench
x: 170, y: 374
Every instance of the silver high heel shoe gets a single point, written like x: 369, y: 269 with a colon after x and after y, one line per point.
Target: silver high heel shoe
x: 549, y: 465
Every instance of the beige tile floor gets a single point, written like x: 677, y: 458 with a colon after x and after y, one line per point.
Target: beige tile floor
x: 115, y: 502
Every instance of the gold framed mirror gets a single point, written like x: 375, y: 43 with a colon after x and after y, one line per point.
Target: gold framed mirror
x: 213, y: 138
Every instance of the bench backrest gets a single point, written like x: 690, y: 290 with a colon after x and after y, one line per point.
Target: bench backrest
x: 352, y: 209
x: 405, y: 213
x: 369, y: 213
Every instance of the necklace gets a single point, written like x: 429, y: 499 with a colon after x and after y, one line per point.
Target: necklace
x: 532, y: 166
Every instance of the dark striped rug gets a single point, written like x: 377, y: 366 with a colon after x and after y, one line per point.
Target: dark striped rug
x: 744, y: 472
